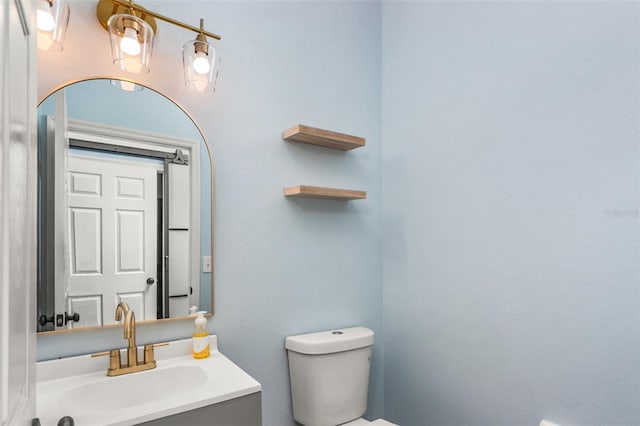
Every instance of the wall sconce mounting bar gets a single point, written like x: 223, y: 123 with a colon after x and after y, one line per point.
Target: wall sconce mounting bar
x: 143, y: 11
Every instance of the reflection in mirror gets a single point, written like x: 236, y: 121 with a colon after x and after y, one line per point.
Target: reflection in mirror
x: 124, y: 207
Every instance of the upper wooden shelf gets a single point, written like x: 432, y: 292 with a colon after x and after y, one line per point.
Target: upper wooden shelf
x: 322, y: 192
x: 325, y: 138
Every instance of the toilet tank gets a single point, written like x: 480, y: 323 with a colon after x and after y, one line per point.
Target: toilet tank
x: 329, y: 373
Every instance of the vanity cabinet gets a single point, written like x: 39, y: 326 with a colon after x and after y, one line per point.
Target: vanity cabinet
x: 243, y: 411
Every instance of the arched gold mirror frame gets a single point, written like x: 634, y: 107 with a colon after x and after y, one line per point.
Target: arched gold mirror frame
x: 50, y: 92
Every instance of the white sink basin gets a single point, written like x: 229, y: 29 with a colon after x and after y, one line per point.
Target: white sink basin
x: 79, y: 387
x: 116, y: 393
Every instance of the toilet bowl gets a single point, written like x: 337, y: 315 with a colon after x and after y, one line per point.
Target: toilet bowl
x: 329, y: 373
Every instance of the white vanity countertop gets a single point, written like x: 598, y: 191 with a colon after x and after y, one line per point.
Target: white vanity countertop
x: 59, y: 380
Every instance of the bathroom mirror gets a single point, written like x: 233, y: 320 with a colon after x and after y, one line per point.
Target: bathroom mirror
x: 124, y: 207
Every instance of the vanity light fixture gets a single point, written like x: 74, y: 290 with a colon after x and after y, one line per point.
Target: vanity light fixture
x: 52, y: 19
x: 131, y: 40
x: 200, y: 61
x: 132, y: 28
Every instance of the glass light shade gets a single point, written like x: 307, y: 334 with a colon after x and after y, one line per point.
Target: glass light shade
x: 131, y: 42
x: 52, y: 22
x: 201, y: 63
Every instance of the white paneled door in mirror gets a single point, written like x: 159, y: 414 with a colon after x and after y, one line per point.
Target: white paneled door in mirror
x: 112, y: 211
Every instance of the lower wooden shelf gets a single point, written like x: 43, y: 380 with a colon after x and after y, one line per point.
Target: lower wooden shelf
x: 307, y: 191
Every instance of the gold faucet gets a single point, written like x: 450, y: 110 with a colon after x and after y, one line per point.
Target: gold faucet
x: 129, y: 332
x: 116, y: 367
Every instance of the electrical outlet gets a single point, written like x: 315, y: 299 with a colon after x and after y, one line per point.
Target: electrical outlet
x: 206, y: 263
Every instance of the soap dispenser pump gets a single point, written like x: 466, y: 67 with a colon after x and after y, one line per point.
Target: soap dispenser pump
x: 200, y: 337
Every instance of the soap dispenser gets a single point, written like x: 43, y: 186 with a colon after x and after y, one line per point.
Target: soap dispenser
x: 200, y: 337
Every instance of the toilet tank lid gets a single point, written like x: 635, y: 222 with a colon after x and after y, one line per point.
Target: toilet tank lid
x: 326, y: 342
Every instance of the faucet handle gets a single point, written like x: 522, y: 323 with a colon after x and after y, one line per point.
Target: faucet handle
x: 114, y: 358
x: 148, y: 351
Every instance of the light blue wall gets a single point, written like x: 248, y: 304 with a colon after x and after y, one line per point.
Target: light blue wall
x: 510, y: 158
x: 284, y: 266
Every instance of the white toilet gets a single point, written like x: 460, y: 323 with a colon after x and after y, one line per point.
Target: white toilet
x: 329, y: 373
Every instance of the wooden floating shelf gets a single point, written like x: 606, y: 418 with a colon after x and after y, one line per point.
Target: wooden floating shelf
x: 307, y: 191
x: 320, y: 137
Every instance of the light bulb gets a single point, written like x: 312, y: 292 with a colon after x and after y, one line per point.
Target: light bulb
x: 129, y: 43
x: 201, y: 63
x: 45, y: 19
